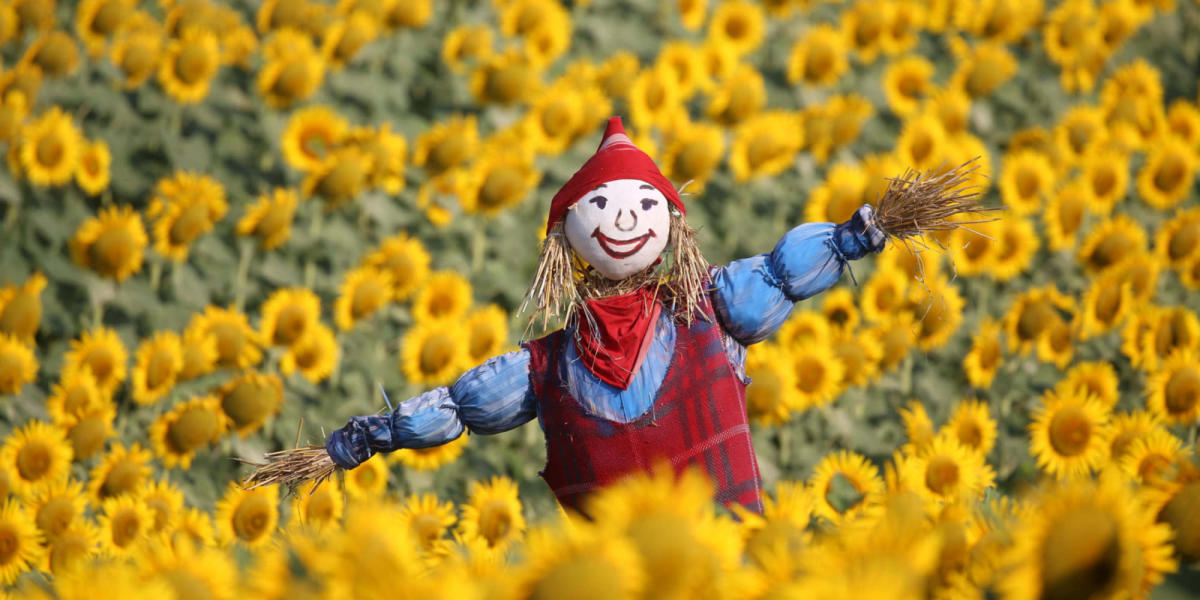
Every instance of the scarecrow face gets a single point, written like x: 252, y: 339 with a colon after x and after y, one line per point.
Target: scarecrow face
x: 620, y: 227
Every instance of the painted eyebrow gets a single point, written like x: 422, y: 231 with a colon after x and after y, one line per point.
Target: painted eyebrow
x: 645, y: 186
x: 598, y: 187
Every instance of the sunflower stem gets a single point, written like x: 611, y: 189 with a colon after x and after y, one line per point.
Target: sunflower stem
x: 245, y: 254
x: 314, y: 232
x: 156, y: 276
x: 478, y: 248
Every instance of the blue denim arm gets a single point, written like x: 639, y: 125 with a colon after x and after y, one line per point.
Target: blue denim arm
x: 754, y: 296
x: 490, y: 398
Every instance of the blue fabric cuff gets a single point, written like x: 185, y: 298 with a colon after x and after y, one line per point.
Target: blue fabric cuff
x: 858, y: 237
x: 348, y: 446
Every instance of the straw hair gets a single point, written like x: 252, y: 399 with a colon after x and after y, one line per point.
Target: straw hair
x: 291, y: 468
x: 562, y: 283
x: 919, y: 202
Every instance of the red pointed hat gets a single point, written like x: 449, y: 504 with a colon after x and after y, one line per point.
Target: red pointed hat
x: 616, y: 158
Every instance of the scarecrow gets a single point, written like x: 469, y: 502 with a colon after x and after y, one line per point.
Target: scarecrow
x: 649, y: 367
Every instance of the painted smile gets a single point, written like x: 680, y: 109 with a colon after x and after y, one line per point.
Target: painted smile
x: 622, y: 248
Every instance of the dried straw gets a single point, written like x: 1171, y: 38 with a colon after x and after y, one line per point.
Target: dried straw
x: 292, y: 467
x: 920, y: 202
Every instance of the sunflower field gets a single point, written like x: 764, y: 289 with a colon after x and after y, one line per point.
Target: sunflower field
x: 227, y: 227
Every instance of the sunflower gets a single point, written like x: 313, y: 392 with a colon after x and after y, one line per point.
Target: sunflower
x: 1031, y: 315
x: 866, y: 25
x: 493, y: 512
x: 195, y: 526
x: 946, y: 471
x: 951, y: 107
x: 972, y: 426
x: 21, y: 542
x: 247, y: 516
x: 312, y: 133
x: 1111, y: 241
x: 653, y: 101
x: 1151, y: 459
x: 343, y: 176
x: 883, y: 295
x: 922, y: 143
x: 1056, y: 345
x: 280, y: 14
x: 74, y: 547
x: 237, y: 344
x: 1097, y: 378
x: 837, y: 198
x: 1168, y: 174
x: 975, y: 248
x: 14, y: 111
x: 487, y: 333
x: 432, y: 458
x: 74, y: 394
x: 497, y: 182
x: 37, y: 455
x: 1106, y: 175
x: 54, y: 52
x: 18, y: 365
x: 124, y: 523
x: 344, y: 38
x: 579, y: 562
x: 369, y: 479
x: 506, y: 78
x: 737, y: 97
x: 1079, y: 133
x: 772, y: 395
x: 985, y: 356
x: 293, y: 71
x: 1025, y: 182
x: 466, y: 46
x: 852, y: 473
x: 177, y: 434
x: 270, y: 218
x: 434, y: 352
x: 818, y: 374
x: 1172, y: 330
x: 120, y: 472
x: 92, y: 170
x: 137, y: 55
x: 981, y: 69
x: 186, y: 206
x: 616, y: 75
x: 186, y: 570
x: 406, y: 259
x: 847, y: 114
x: 288, y: 314
x: 314, y: 355
x: 765, y: 145
x: 101, y: 352
x: 320, y: 508
x: 387, y: 151
x: 445, y: 296
x: 918, y: 427
x: 200, y: 352
x: 804, y: 327
x: 156, y: 367
x: 57, y: 506
x: 165, y: 500
x: 896, y: 338
x: 1183, y: 122
x: 1105, y: 305
x: 906, y: 83
x: 428, y: 519
x: 364, y: 291
x: 740, y: 24
x: 939, y: 308
x: 89, y: 428
x: 188, y: 65
x: 819, y: 57
x: 1065, y: 215
x: 1173, y: 390
x: 1087, y: 539
x: 1069, y: 434
x: 50, y: 148
x: 1177, y: 242
x: 97, y: 20
x: 250, y: 399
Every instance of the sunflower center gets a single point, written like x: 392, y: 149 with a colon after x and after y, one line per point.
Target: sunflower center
x: 1183, y: 242
x: 580, y: 576
x: 66, y: 552
x: 557, y: 119
x: 1180, y: 513
x: 34, y: 460
x: 437, y: 351
x: 977, y: 248
x: 810, y: 374
x: 482, y: 341
x: 1182, y: 392
x: 922, y: 146
x: 1079, y: 135
x: 248, y: 403
x: 1070, y: 431
x: 55, y: 515
x: 1170, y: 173
x: 137, y: 59
x: 109, y: 16
x: 274, y: 221
x: 230, y: 341
x: 495, y: 520
x: 252, y: 518
x: 191, y: 430
x: 766, y: 393
x: 368, y: 297
x: 192, y: 64
x: 123, y: 478
x: 307, y: 356
x: 160, y: 369
x: 344, y: 181
x: 819, y: 61
x: 291, y: 324
x: 126, y: 525
x: 868, y: 31
x: 1028, y: 184
x: 428, y: 528
x: 762, y: 148
x: 365, y: 476
x: 292, y: 80
x: 87, y: 436
x: 50, y: 150
x: 58, y: 55
x: 942, y: 475
x: 737, y: 28
x: 22, y: 315
x: 1104, y: 182
x: 1108, y: 304
x: 112, y: 249
x: 1034, y: 319
x: 320, y: 507
x: 10, y: 544
x: 695, y: 160
x: 970, y: 433
x: 508, y: 83
x: 187, y: 586
x: 503, y: 186
x: 1081, y: 557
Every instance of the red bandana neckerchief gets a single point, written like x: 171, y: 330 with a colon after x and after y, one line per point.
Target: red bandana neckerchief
x: 614, y: 340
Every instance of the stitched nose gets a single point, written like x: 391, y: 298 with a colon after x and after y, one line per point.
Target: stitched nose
x: 632, y: 222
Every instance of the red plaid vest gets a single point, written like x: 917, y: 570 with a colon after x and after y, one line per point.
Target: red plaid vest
x: 698, y: 419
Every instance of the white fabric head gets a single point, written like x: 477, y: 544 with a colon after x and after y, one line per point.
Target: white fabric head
x: 620, y: 227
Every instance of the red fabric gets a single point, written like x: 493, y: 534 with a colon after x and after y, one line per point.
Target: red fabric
x: 698, y: 419
x: 616, y: 158
x: 613, y: 342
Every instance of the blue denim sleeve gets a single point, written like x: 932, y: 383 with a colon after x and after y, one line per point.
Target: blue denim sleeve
x: 490, y: 398
x: 754, y: 296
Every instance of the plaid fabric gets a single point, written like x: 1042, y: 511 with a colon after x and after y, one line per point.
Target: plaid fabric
x: 697, y: 419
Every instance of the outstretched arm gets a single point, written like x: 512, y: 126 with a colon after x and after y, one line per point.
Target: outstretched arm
x: 490, y: 398
x: 754, y: 296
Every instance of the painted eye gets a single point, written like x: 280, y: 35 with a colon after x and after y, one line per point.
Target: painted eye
x: 599, y: 201
x: 648, y: 203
